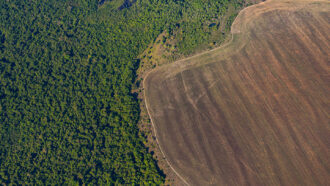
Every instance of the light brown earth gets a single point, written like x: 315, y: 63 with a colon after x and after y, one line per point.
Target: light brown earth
x: 255, y: 111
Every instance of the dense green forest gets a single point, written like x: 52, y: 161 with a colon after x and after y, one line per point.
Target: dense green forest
x: 67, y: 114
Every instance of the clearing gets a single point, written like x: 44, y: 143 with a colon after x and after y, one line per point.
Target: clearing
x: 256, y: 110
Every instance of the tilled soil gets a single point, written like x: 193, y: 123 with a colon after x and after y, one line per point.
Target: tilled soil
x: 256, y: 111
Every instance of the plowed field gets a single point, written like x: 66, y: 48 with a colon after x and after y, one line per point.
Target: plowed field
x: 256, y: 110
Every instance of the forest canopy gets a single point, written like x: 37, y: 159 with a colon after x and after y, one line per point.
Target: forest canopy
x: 67, y: 114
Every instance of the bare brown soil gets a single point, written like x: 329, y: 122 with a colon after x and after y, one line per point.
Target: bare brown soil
x: 255, y: 111
x: 160, y: 53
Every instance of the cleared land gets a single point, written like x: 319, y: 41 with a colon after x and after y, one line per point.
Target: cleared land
x: 255, y: 111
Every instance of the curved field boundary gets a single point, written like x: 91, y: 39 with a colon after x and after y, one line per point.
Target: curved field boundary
x: 239, y: 39
x: 160, y: 148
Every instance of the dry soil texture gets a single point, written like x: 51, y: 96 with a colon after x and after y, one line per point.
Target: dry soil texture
x: 255, y: 111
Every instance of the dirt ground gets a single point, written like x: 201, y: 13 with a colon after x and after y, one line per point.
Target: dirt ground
x: 255, y: 111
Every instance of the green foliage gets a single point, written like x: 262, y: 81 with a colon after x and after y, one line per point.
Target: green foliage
x: 194, y: 29
x: 67, y: 115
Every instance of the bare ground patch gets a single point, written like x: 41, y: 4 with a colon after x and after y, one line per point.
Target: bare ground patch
x: 256, y: 111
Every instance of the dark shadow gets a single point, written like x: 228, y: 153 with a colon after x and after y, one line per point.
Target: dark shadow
x: 126, y: 4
